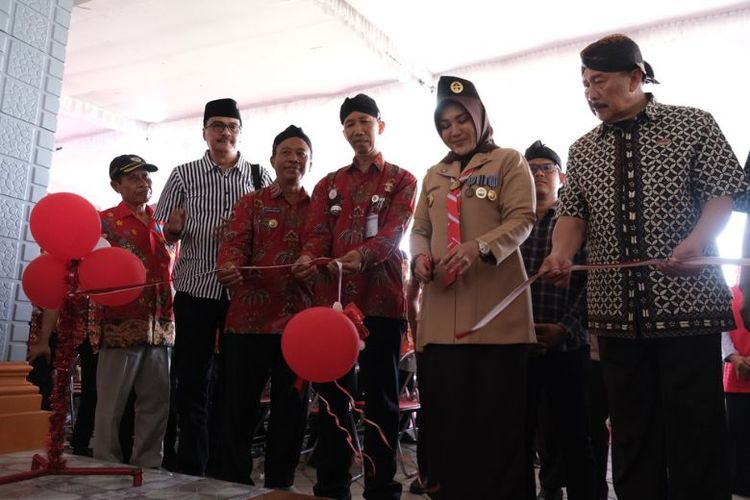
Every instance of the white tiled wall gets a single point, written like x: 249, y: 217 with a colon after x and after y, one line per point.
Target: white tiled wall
x: 33, y: 35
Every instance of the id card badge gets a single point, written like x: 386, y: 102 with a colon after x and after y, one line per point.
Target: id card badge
x: 371, y: 228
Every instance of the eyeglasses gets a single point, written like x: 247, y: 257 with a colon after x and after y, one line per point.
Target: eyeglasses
x: 545, y: 168
x: 219, y: 127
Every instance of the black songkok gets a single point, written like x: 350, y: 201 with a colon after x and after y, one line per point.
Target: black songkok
x: 291, y: 131
x: 221, y: 107
x: 539, y: 150
x: 360, y: 102
x: 616, y: 53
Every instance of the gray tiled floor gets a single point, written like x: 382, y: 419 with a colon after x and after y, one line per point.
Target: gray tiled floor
x: 159, y: 484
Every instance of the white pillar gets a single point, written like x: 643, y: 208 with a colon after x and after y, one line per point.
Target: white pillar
x: 33, y: 36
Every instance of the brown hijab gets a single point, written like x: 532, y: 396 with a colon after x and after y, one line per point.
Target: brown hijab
x: 452, y: 89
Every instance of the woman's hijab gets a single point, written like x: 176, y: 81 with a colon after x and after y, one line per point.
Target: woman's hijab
x: 452, y: 89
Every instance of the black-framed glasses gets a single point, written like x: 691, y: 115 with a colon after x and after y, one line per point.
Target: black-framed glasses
x: 219, y: 127
x: 545, y: 168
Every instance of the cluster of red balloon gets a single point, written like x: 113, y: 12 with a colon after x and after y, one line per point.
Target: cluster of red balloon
x: 320, y: 344
x: 68, y: 228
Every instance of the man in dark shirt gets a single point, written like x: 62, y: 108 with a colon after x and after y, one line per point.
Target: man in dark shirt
x: 652, y: 181
x: 558, y: 368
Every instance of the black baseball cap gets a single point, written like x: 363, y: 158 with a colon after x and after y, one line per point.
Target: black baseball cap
x: 124, y: 164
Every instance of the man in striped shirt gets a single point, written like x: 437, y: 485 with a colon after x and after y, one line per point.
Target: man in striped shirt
x: 195, y: 203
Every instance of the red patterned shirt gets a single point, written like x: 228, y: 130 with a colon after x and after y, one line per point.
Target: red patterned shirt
x: 265, y: 230
x: 149, y: 320
x: 342, y: 204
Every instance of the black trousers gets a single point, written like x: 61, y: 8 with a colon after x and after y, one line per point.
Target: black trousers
x: 423, y: 434
x: 738, y: 420
x: 562, y: 379
x: 248, y: 360
x: 197, y: 322
x: 84, y: 424
x: 378, y: 381
x: 475, y: 413
x: 669, y: 437
x: 42, y: 372
x: 170, y: 435
x: 599, y: 430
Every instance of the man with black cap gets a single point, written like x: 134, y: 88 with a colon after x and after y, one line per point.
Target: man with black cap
x: 197, y: 199
x: 558, y: 367
x: 358, y: 215
x: 653, y: 181
x: 134, y: 338
x: 266, y: 230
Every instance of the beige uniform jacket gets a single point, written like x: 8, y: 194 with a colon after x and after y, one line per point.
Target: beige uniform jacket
x: 503, y: 219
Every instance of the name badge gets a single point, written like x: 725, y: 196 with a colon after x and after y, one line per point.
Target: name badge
x: 371, y: 227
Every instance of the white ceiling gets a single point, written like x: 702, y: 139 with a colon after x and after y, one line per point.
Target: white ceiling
x: 135, y: 62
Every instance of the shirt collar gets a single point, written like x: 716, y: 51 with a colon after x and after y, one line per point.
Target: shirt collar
x: 122, y: 210
x: 378, y: 161
x: 303, y: 192
x: 649, y: 113
x: 208, y: 161
x: 551, y: 210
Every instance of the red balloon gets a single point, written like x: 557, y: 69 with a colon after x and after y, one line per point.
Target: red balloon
x: 44, y: 281
x: 65, y: 225
x: 110, y: 268
x: 320, y: 344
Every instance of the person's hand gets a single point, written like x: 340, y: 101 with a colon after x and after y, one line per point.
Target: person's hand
x: 176, y: 222
x: 351, y: 262
x: 675, y: 265
x: 303, y: 270
x: 741, y: 365
x: 460, y: 258
x: 556, y: 270
x: 40, y: 349
x: 229, y: 276
x: 423, y: 268
x: 550, y: 335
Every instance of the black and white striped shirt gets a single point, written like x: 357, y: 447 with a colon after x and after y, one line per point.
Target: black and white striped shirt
x: 208, y: 195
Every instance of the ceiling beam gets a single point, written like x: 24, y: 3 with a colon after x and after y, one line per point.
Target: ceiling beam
x: 100, y: 116
x: 378, y: 42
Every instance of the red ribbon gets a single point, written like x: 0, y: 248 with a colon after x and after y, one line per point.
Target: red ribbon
x: 513, y: 295
x: 357, y: 317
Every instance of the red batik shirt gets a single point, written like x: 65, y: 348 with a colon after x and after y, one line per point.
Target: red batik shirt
x: 341, y: 205
x: 265, y: 230
x: 148, y: 320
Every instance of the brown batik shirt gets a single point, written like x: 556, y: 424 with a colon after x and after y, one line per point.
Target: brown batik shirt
x: 641, y: 188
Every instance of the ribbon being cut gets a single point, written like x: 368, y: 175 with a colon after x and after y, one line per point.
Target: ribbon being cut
x: 513, y: 295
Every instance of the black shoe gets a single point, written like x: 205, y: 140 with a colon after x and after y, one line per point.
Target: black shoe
x: 555, y: 494
x: 418, y: 487
x: 169, y: 462
x: 83, y: 451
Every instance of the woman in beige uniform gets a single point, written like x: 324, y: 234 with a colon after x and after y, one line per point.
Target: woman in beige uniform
x: 476, y: 207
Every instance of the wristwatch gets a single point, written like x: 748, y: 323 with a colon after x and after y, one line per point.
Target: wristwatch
x: 484, y: 248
